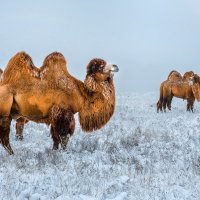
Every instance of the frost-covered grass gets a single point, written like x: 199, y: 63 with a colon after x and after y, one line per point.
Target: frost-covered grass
x: 139, y: 154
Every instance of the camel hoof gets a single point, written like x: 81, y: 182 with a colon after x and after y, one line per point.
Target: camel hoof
x: 55, y: 147
x: 19, y: 137
x: 63, y: 147
x: 9, y: 150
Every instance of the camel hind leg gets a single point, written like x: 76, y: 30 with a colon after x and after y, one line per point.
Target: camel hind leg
x: 159, y: 105
x: 20, y: 122
x: 4, y: 133
x: 6, y: 100
x: 62, y: 126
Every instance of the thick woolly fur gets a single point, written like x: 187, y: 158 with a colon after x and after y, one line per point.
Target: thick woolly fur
x: 51, y: 95
x: 62, y: 120
x: 62, y: 125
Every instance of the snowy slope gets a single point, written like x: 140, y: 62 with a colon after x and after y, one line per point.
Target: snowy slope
x: 139, y: 154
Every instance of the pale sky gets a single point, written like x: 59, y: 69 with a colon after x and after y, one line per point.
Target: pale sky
x: 145, y: 38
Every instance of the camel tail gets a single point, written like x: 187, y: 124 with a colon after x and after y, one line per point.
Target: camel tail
x: 160, y: 101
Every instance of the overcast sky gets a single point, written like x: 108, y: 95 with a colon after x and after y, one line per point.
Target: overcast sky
x: 145, y: 38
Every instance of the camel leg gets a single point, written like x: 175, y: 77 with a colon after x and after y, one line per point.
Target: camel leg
x: 4, y: 133
x: 190, y: 104
x: 55, y: 137
x: 159, y: 105
x: 62, y: 126
x: 165, y: 103
x: 20, y: 127
x: 169, y: 102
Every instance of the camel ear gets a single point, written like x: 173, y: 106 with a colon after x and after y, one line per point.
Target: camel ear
x: 196, y: 91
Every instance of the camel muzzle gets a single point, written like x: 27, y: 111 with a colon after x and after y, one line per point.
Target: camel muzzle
x: 115, y: 68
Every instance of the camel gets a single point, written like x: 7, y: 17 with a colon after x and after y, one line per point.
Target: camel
x: 176, y: 86
x: 50, y: 95
x: 173, y: 76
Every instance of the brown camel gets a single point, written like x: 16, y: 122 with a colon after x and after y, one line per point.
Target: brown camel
x: 173, y: 76
x: 176, y: 86
x: 51, y: 95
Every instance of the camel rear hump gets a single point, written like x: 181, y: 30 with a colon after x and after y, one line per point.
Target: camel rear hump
x: 20, y: 65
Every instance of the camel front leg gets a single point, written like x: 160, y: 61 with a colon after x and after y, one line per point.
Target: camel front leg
x: 169, y: 102
x: 4, y: 133
x: 190, y: 104
x: 159, y: 105
x: 62, y: 126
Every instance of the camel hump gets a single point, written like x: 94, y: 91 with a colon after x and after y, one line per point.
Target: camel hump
x: 174, y: 75
x: 188, y: 75
x: 54, y: 65
x: 19, y: 65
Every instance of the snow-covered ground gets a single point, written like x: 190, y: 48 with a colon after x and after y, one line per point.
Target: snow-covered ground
x: 138, y: 155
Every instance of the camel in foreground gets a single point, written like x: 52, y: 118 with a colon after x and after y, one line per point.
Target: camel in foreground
x: 177, y: 86
x: 51, y: 95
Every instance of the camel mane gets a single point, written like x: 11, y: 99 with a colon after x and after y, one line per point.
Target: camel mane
x: 100, y: 103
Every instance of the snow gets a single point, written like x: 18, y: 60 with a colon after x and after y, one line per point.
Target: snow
x: 140, y: 154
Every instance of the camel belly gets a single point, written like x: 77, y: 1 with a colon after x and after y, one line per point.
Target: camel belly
x: 181, y: 91
x: 38, y: 106
x: 32, y: 106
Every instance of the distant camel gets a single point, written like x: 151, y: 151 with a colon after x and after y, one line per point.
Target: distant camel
x: 51, y: 95
x: 176, y: 86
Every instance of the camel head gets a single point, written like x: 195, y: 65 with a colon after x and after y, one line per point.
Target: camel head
x: 101, y: 70
x: 195, y: 86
